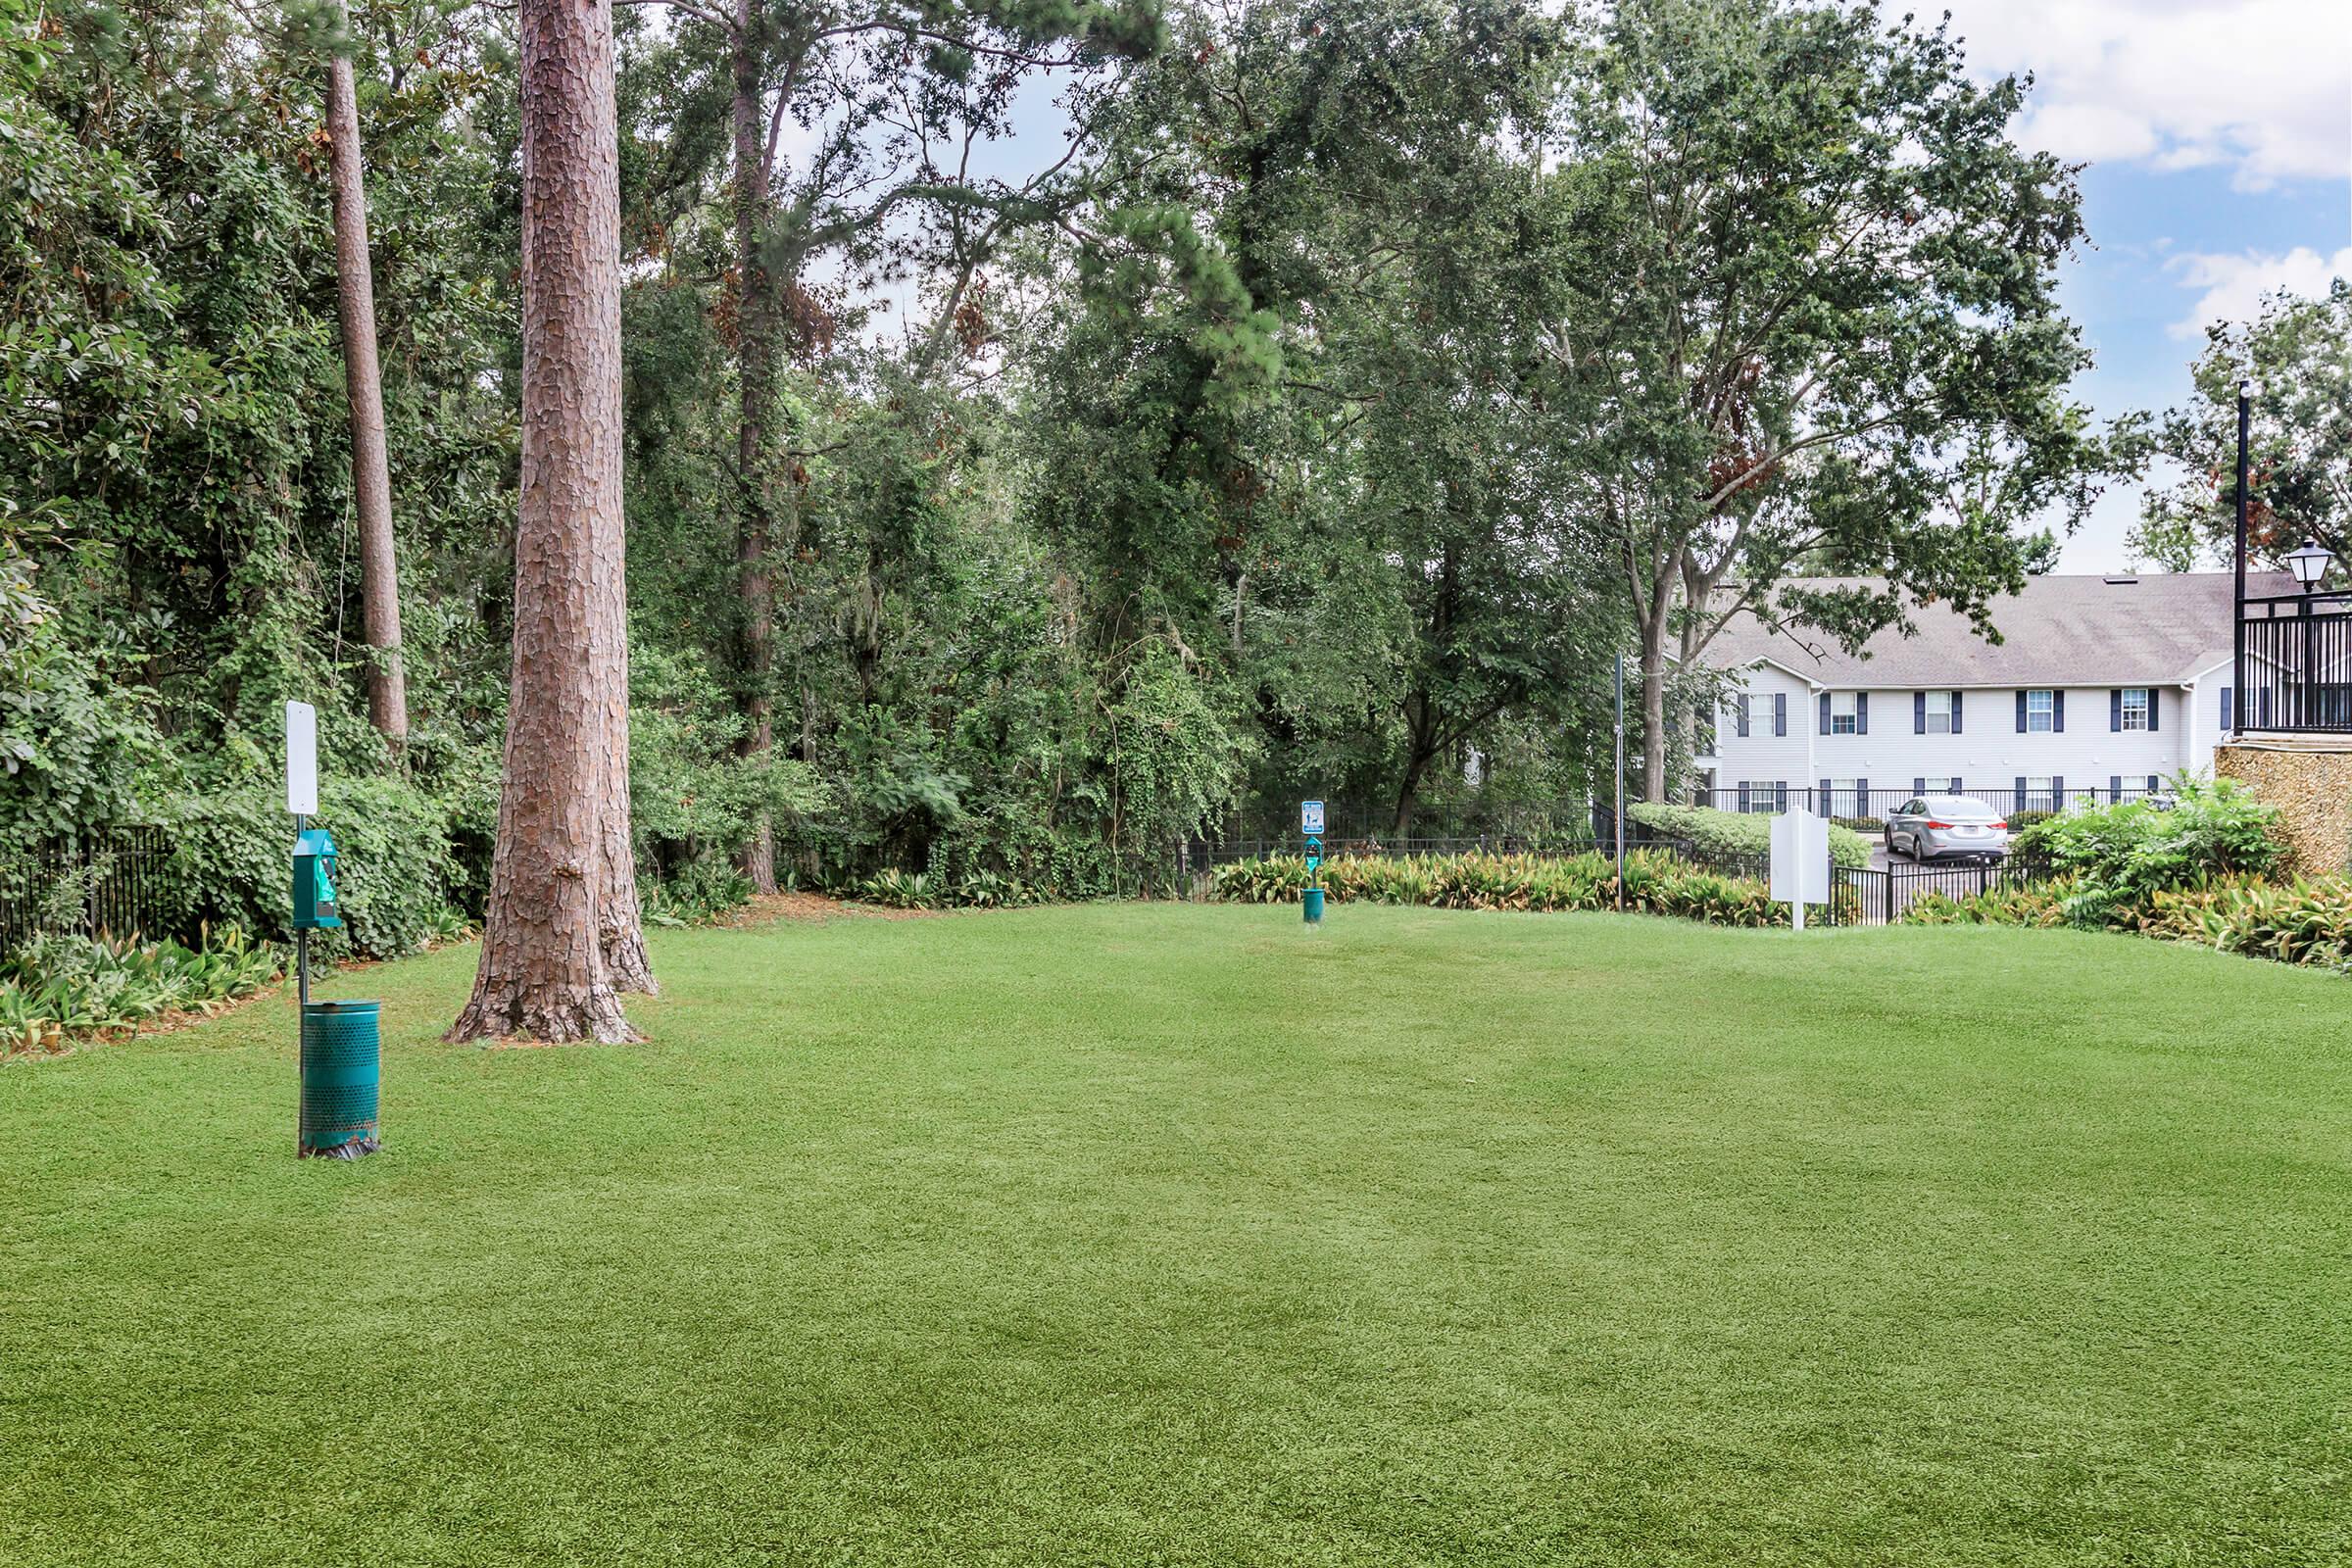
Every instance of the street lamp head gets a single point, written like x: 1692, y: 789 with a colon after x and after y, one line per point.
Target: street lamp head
x: 2309, y: 564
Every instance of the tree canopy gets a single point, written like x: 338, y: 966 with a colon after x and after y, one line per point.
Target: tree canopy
x: 1050, y: 430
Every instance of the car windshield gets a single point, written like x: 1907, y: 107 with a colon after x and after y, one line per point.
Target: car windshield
x: 1960, y: 808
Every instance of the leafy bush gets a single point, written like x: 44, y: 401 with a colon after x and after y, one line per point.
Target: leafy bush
x: 2040, y: 904
x: 396, y: 873
x: 2019, y: 821
x: 1738, y: 834
x: 2305, y: 922
x: 57, y: 988
x: 1655, y: 883
x: 2301, y: 921
x: 2121, y: 854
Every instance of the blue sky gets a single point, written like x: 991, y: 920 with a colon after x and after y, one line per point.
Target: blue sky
x: 2219, y: 139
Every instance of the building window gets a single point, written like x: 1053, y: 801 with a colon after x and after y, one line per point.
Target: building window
x: 1845, y: 798
x: 1845, y: 714
x: 1761, y: 796
x: 1939, y: 712
x: 2136, y: 708
x: 1937, y: 786
x: 2041, y: 794
x: 2041, y: 708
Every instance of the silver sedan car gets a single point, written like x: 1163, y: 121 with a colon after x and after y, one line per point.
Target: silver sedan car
x: 1931, y: 826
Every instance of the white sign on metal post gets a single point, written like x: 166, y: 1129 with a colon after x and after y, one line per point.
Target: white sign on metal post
x: 1801, y: 862
x: 1310, y: 818
x: 301, y: 759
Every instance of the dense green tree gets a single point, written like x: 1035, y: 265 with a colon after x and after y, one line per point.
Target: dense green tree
x: 1816, y: 324
x: 2297, y: 355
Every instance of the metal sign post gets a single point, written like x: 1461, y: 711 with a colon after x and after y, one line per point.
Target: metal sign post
x: 1310, y: 824
x: 1620, y: 817
x: 302, y: 798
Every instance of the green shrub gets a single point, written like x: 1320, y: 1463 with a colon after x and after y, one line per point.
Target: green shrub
x: 2121, y: 854
x: 2041, y: 904
x: 396, y: 876
x: 1738, y: 834
x: 55, y: 989
x: 1655, y: 883
x: 2019, y: 821
x: 2308, y: 923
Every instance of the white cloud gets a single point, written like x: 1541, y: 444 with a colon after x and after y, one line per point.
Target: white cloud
x: 2235, y: 285
x: 2261, y: 86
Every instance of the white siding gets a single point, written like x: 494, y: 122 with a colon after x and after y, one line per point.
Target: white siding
x: 1988, y: 752
x: 1760, y: 755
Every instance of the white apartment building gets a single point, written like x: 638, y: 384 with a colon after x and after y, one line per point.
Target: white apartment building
x: 2100, y: 685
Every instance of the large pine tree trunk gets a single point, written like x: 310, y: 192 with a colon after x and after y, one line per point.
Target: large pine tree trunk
x: 556, y: 884
x: 756, y: 369
x: 370, y: 474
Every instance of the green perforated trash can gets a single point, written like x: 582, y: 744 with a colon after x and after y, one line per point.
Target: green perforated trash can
x: 340, y: 1059
x: 1311, y: 899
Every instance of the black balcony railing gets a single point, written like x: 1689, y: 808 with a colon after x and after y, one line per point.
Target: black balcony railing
x: 2295, y: 673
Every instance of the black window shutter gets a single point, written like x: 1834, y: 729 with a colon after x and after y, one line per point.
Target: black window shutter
x: 1919, y: 786
x: 2021, y: 712
x: 2057, y: 792
x: 2155, y: 783
x: 1821, y: 805
x: 1743, y: 795
x: 1955, y: 713
x: 1825, y: 712
x: 1780, y: 795
x: 2115, y: 786
x: 1780, y: 712
x: 1861, y: 713
x: 2114, y: 708
x: 2226, y: 694
x: 1861, y: 797
x: 2020, y: 792
x: 1744, y: 715
x: 2058, y: 712
x: 2155, y: 709
x: 1919, y: 713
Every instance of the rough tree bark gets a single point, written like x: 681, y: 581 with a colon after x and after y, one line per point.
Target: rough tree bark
x: 370, y: 474
x: 756, y: 369
x: 562, y: 870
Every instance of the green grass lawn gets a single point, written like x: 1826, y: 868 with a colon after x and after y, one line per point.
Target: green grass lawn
x: 1180, y: 1235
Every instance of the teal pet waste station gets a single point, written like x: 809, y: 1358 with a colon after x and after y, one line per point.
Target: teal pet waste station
x: 340, y: 1072
x: 1311, y: 823
x: 341, y: 1053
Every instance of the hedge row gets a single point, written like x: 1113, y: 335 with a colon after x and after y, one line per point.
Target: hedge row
x: 2302, y: 922
x: 1738, y: 834
x: 1655, y: 883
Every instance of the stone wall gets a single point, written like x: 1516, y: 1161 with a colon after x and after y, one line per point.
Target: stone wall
x: 2310, y: 785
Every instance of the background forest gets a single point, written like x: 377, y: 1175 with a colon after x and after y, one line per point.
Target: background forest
x: 1311, y: 399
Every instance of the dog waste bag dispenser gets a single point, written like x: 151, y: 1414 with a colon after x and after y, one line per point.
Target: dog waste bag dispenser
x: 315, y: 882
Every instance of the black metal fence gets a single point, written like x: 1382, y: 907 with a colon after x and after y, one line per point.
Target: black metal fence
x: 110, y: 881
x: 2297, y: 670
x: 1882, y: 893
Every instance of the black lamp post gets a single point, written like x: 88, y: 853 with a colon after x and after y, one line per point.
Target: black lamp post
x: 2239, y: 703
x: 2309, y: 564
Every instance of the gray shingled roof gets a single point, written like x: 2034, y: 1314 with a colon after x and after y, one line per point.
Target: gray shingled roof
x: 2155, y: 629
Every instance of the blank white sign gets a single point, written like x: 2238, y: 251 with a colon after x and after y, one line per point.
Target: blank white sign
x: 1800, y: 858
x: 301, y: 759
